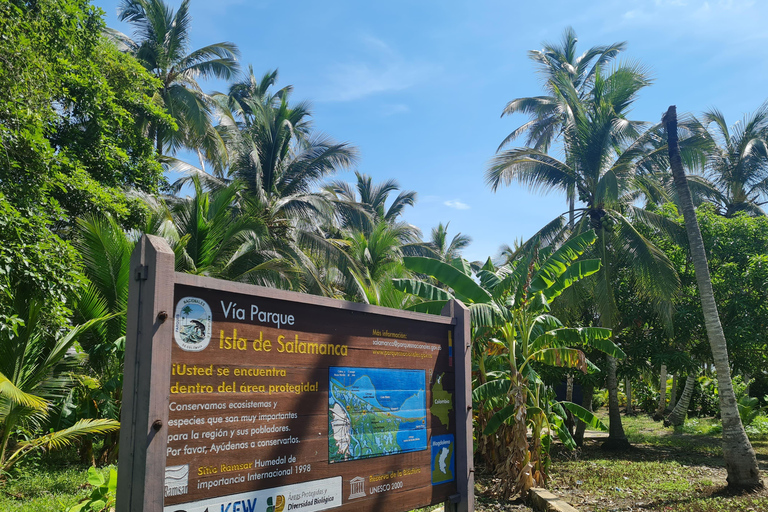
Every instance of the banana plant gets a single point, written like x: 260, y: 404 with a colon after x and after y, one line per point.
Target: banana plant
x: 513, y: 303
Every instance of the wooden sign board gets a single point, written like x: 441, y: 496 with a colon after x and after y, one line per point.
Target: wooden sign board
x: 239, y: 398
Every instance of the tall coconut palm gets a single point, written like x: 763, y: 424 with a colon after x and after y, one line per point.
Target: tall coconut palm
x: 162, y: 46
x: 610, y: 164
x: 740, y: 460
x: 445, y: 250
x: 363, y: 205
x: 280, y: 162
x: 549, y: 114
x: 738, y: 165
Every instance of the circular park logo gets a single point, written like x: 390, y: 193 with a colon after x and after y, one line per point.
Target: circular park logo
x: 192, y: 324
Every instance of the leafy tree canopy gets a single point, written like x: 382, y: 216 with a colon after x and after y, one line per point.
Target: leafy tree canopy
x: 70, y: 105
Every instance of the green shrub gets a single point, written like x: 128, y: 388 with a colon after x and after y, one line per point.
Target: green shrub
x: 758, y: 428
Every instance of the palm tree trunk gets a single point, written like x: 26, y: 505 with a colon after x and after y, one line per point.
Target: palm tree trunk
x: 677, y: 417
x: 673, y: 393
x: 628, y: 392
x: 740, y: 460
x: 569, y: 398
x: 659, y: 414
x: 586, y: 402
x: 617, y: 439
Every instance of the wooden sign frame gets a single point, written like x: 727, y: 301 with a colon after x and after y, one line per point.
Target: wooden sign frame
x: 147, y: 380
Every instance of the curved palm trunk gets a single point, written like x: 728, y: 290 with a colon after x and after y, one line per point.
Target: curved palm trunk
x: 740, y: 460
x: 677, y: 417
x: 659, y: 414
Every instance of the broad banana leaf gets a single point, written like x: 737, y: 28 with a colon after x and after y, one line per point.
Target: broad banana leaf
x: 565, y: 357
x: 564, y: 434
x: 498, y: 419
x: 434, y: 307
x: 577, y: 271
x: 595, y: 337
x: 486, y: 315
x: 426, y: 291
x: 584, y: 415
x: 462, y: 265
x: 462, y: 284
x: 491, y: 389
x: 558, y: 263
x: 533, y: 411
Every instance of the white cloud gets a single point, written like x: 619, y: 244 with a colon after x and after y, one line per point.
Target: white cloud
x: 382, y: 69
x: 456, y: 204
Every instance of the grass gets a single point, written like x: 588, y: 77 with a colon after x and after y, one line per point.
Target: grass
x: 664, y: 471
x: 45, y: 485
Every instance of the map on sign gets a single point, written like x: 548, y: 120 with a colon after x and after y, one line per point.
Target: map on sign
x: 375, y: 411
x: 442, y: 401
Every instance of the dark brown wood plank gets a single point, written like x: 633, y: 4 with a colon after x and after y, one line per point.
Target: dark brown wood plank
x: 147, y: 372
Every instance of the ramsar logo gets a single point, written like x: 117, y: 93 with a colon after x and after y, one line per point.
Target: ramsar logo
x: 278, y: 506
x: 192, y: 324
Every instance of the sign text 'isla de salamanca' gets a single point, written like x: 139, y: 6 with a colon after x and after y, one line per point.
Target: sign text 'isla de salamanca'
x: 239, y: 398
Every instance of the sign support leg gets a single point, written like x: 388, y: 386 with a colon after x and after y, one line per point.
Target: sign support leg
x: 465, y: 471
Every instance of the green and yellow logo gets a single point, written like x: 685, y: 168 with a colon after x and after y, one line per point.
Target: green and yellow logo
x: 278, y: 506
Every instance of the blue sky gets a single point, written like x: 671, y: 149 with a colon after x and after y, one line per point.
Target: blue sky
x: 418, y: 86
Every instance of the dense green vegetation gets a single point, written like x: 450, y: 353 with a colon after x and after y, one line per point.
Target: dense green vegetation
x: 602, y: 298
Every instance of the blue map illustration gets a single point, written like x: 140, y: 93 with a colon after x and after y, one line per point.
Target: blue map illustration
x: 375, y: 411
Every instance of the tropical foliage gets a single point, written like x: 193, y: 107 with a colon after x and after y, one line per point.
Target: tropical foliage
x: 603, y: 294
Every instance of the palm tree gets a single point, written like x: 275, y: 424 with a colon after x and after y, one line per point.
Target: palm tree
x: 362, y: 208
x: 740, y: 460
x: 372, y: 198
x: 446, y: 251
x: 377, y: 257
x: 220, y: 233
x: 106, y: 252
x: 610, y: 164
x: 550, y: 115
x: 36, y: 369
x: 738, y: 165
x: 280, y: 163
x: 162, y: 47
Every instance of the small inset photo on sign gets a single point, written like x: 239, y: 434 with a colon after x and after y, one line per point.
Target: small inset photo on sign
x: 176, y: 480
x: 375, y: 411
x: 442, y: 459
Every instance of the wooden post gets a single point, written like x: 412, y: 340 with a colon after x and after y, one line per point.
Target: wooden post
x: 144, y: 422
x: 465, y: 470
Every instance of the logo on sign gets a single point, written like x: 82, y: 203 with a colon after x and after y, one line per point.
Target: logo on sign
x: 357, y: 488
x: 176, y: 480
x: 278, y: 506
x: 192, y: 324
